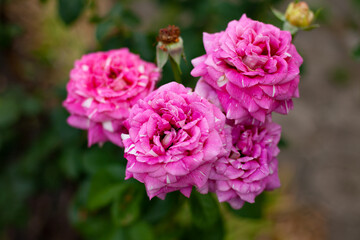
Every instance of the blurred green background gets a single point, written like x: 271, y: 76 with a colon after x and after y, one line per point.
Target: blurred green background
x: 53, y: 187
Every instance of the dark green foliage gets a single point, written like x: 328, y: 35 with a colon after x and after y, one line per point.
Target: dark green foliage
x: 356, y: 52
x: 105, y: 187
x: 283, y: 143
x: 156, y: 209
x: 140, y: 230
x: 7, y: 33
x: 253, y: 211
x: 356, y: 3
x: 204, y: 210
x: 206, y: 218
x: 70, y: 10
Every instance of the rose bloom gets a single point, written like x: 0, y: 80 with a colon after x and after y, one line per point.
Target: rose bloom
x: 252, y: 66
x: 251, y: 166
x: 174, y: 137
x: 103, y: 87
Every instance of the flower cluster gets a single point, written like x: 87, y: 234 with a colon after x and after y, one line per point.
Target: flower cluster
x: 219, y: 138
x: 102, y: 89
x: 249, y: 71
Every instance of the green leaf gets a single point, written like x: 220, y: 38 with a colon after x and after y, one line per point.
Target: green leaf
x: 103, y: 29
x: 100, y: 198
x: 126, y: 207
x: 70, y: 10
x: 204, y: 209
x: 116, y: 11
x: 317, y: 13
x: 129, y: 18
x: 207, y: 222
x: 216, y: 232
x: 141, y: 231
x: 157, y: 209
x: 95, y: 159
x: 82, y: 193
x: 105, y: 185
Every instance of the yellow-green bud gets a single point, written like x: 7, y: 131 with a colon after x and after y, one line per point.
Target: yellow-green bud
x: 299, y: 14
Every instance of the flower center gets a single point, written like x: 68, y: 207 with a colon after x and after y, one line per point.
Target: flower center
x: 117, y: 80
x: 167, y: 138
x: 112, y: 74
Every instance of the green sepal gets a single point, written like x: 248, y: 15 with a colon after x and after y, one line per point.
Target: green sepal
x: 278, y: 14
x: 162, y: 56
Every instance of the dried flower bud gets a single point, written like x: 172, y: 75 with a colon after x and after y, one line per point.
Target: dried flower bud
x: 169, y: 43
x: 299, y: 14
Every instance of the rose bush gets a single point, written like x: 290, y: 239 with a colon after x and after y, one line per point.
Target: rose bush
x: 174, y: 138
x: 103, y: 87
x: 252, y: 67
x: 251, y: 166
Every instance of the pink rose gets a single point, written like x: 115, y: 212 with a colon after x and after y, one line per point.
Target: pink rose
x: 251, y: 166
x: 174, y: 137
x: 252, y: 67
x: 103, y: 87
